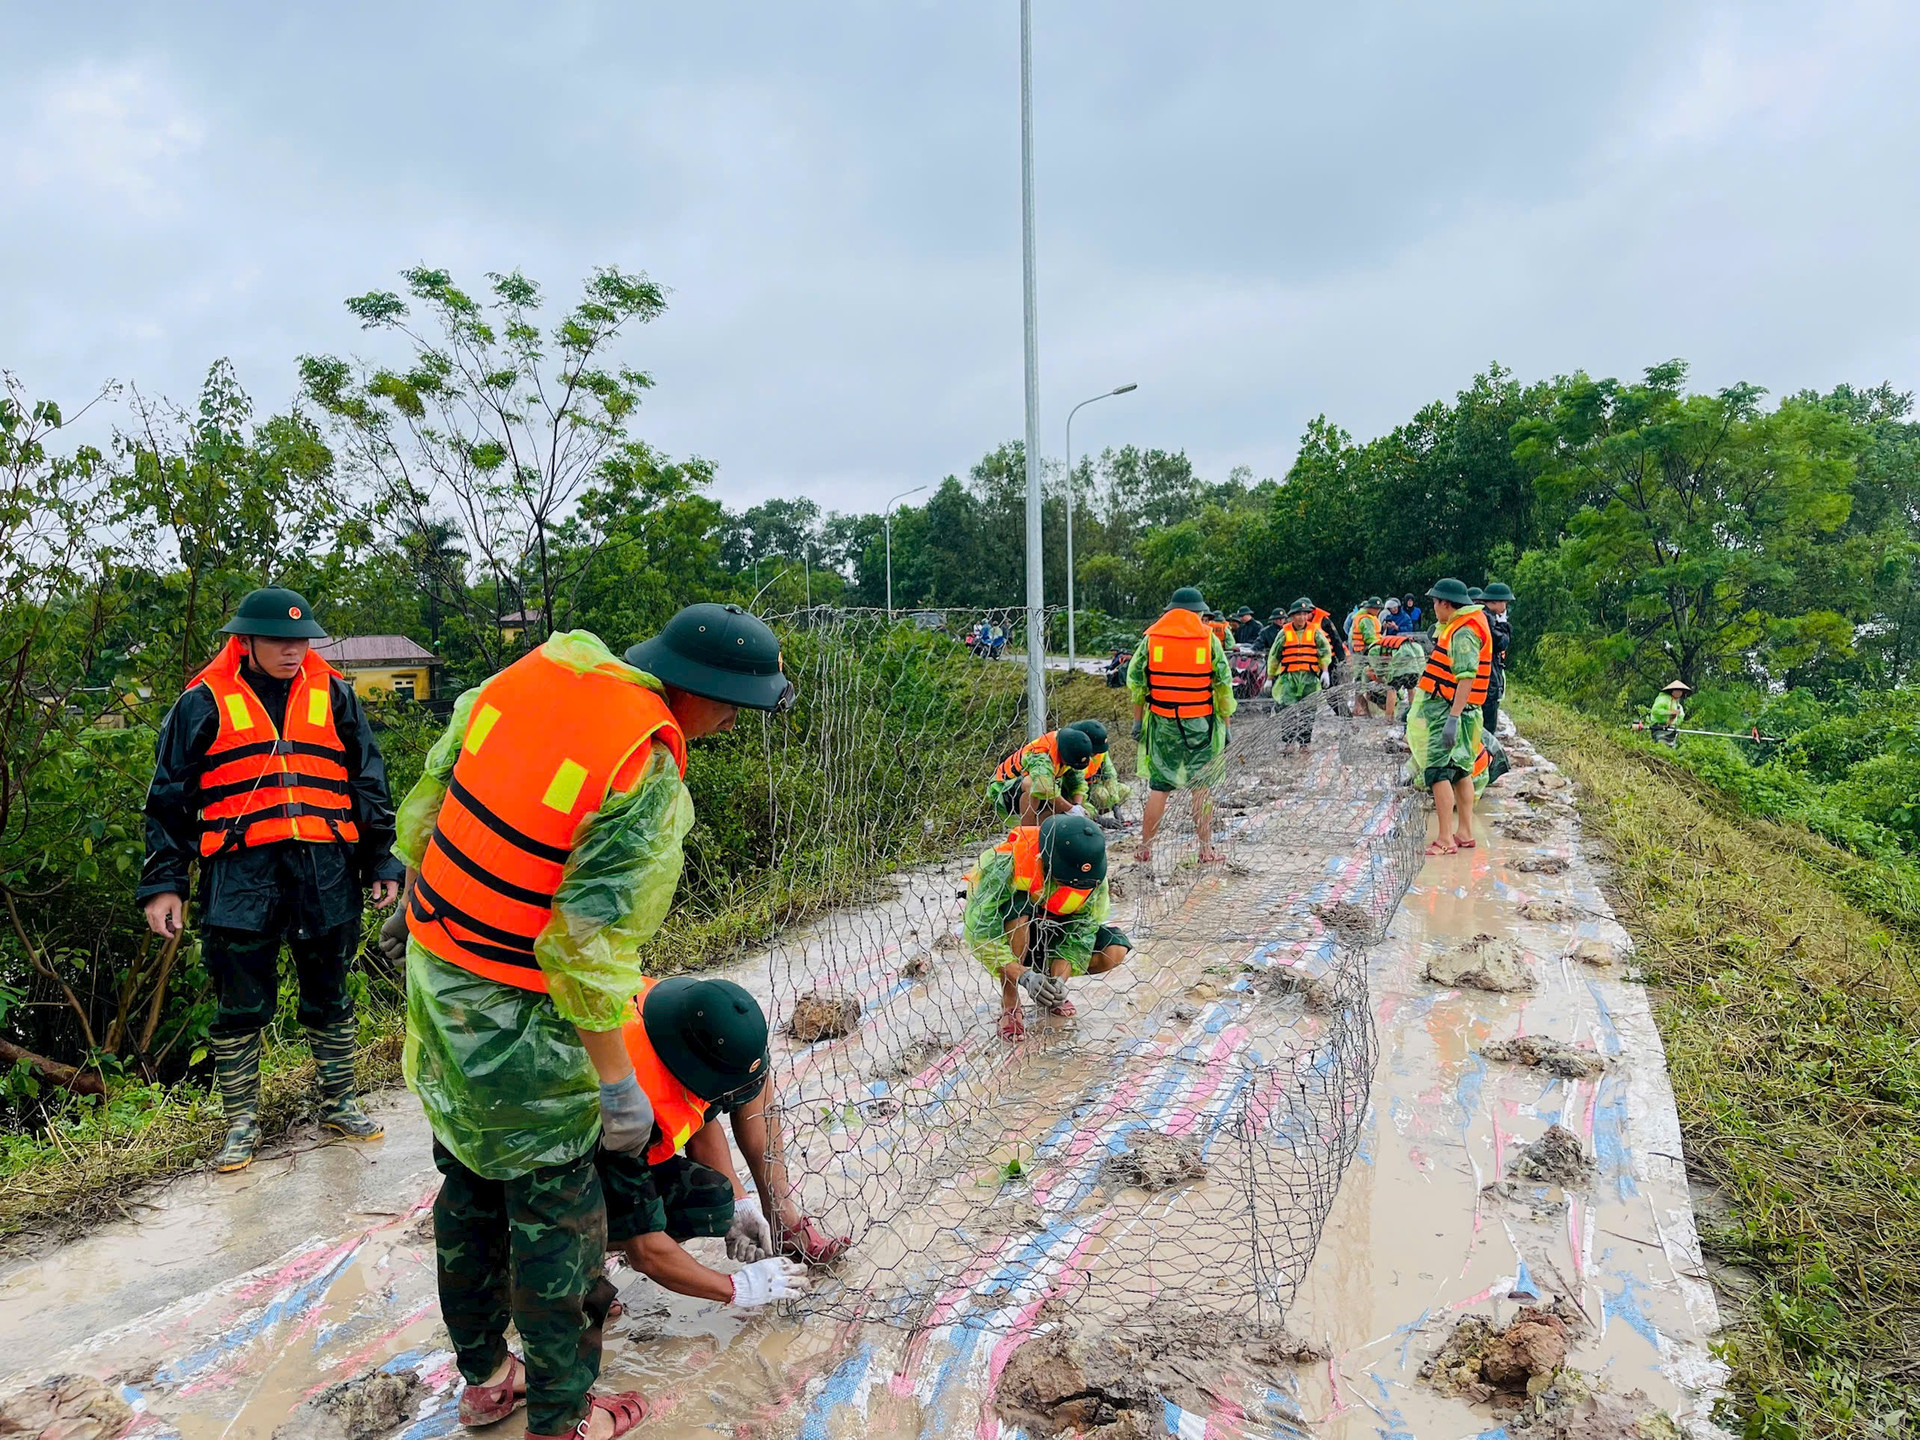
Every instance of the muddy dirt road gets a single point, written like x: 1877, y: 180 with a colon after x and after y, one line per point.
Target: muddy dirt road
x: 234, y: 1306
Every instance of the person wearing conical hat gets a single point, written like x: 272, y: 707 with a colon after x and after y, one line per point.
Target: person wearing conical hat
x: 1669, y: 712
x: 266, y: 776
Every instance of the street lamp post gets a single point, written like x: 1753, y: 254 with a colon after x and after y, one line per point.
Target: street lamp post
x: 887, y: 522
x: 1072, y: 655
x: 1036, y: 575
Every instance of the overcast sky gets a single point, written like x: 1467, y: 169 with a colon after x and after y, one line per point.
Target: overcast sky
x: 1258, y: 211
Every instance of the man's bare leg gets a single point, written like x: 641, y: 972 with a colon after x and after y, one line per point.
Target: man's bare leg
x: 1463, y: 807
x: 1443, y: 843
x: 1108, y: 959
x: 1150, y: 822
x: 1203, y: 823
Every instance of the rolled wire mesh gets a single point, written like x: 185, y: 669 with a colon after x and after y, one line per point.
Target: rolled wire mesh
x: 1182, y: 1138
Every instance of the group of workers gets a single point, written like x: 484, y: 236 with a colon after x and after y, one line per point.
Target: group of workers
x: 571, y: 1097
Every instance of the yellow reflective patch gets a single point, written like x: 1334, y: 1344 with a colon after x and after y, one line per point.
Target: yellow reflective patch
x: 1068, y: 901
x: 479, y: 728
x: 317, y: 707
x: 1159, y: 654
x: 564, y: 788
x: 1200, y: 654
x: 681, y: 1136
x: 237, y: 713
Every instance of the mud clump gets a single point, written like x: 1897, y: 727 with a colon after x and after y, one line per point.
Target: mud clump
x: 1556, y: 1057
x: 1315, y: 991
x: 1154, y: 1160
x: 1528, y: 829
x: 1546, y: 912
x: 819, y: 1016
x: 1483, y: 963
x: 1058, y: 1383
x: 69, y: 1407
x: 1575, y: 1407
x: 1483, y: 1362
x: 1347, y: 921
x: 909, y: 1061
x: 357, y: 1409
x: 1599, y: 953
x: 1556, y: 1158
x: 1542, y: 865
x: 916, y: 966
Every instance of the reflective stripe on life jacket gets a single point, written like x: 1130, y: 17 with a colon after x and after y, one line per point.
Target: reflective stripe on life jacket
x: 1047, y: 745
x: 676, y: 1110
x: 259, y: 786
x: 1365, y: 633
x: 1180, y: 666
x: 1439, y: 678
x: 1299, y: 650
x: 1028, y: 877
x: 545, y: 744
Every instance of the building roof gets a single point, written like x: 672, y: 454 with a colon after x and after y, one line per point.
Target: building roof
x: 524, y: 617
x: 364, y: 650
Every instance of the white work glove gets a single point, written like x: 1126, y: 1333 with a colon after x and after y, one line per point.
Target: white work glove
x: 1078, y: 810
x: 765, y: 1281
x: 1045, y: 989
x: 1450, y: 732
x: 626, y: 1116
x: 749, y: 1237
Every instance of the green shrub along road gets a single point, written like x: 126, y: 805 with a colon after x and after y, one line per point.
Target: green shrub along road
x: 1788, y: 994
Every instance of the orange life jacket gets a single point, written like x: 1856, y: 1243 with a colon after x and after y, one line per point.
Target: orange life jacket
x: 1047, y: 745
x: 1365, y: 633
x: 1299, y: 650
x: 1438, y: 679
x: 1223, y: 631
x: 1093, y: 765
x: 676, y: 1110
x: 545, y: 744
x: 1180, y: 666
x: 1024, y: 845
x: 259, y: 786
x: 1482, y: 758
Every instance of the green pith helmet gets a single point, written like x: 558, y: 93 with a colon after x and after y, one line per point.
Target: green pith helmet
x: 1302, y: 606
x: 1246, y: 612
x: 1076, y: 747
x: 1094, y: 731
x: 1476, y: 594
x: 1278, y: 615
x: 1372, y: 602
x: 1451, y: 591
x: 710, y: 1034
x: 721, y: 652
x: 1187, y: 598
x: 277, y: 614
x: 1498, y: 590
x: 1073, y: 851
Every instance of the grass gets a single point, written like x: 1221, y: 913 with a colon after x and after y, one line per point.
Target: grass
x: 1788, y: 993
x: 79, y: 1169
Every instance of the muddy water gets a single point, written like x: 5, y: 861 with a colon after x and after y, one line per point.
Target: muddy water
x: 233, y: 1298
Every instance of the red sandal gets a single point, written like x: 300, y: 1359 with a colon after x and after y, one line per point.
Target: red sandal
x: 811, y: 1246
x: 1013, y: 1025
x: 487, y: 1404
x: 628, y: 1409
x: 1064, y: 1010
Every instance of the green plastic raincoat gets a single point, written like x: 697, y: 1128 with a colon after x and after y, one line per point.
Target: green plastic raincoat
x: 992, y: 902
x: 505, y: 1081
x: 1179, y: 754
x: 1428, y: 717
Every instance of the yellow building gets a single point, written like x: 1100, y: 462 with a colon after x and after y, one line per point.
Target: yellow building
x: 393, y: 663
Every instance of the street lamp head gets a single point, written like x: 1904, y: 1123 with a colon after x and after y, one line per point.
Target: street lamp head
x: 1123, y: 389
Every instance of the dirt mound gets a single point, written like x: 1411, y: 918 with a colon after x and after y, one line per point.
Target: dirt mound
x: 1556, y: 1057
x: 912, y: 1058
x: 1057, y: 1383
x: 1576, y: 1407
x: 68, y: 1407
x: 1316, y: 991
x: 818, y: 1016
x: 1170, y: 1330
x: 1483, y: 963
x: 1542, y: 865
x: 1483, y: 1362
x: 356, y: 1409
x: 1154, y: 1160
x: 1556, y: 1158
x: 1348, y: 921
x: 1528, y: 829
x: 1595, y: 952
x: 1546, y: 912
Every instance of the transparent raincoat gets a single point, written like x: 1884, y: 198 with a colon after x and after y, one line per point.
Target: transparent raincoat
x: 1175, y: 752
x: 992, y: 901
x: 506, y: 1084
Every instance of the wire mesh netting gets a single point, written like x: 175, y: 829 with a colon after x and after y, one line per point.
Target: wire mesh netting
x: 1182, y: 1137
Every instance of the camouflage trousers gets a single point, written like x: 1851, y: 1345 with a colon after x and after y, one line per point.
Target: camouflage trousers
x: 531, y: 1250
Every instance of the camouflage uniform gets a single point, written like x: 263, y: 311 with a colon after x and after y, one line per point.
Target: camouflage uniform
x: 529, y: 1249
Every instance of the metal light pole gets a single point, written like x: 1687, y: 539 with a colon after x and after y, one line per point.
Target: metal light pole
x: 1072, y: 654
x: 1036, y: 574
x: 887, y: 521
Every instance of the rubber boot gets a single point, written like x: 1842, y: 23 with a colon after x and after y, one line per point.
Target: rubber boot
x: 340, y: 1112
x: 236, y: 1071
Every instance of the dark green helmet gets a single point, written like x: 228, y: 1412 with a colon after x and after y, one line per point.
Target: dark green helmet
x: 1498, y: 590
x: 1372, y: 602
x: 1302, y: 606
x: 1094, y: 731
x: 710, y: 1034
x: 1452, y: 591
x: 276, y: 614
x: 1073, y: 851
x: 1187, y: 598
x: 1475, y: 594
x: 1075, y: 746
x: 721, y: 652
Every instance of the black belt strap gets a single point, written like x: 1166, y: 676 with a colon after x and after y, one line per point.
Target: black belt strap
x: 556, y: 853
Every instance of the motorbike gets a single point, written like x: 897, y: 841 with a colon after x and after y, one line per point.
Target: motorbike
x: 1117, y: 668
x: 1249, y: 667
